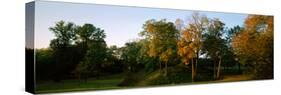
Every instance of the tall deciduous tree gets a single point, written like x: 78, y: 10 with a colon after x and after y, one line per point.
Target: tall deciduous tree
x: 61, y: 45
x: 214, y: 46
x: 186, y: 49
x: 162, y: 36
x: 92, y: 39
x: 254, y: 45
x: 197, y: 25
x: 230, y: 56
x: 190, y: 42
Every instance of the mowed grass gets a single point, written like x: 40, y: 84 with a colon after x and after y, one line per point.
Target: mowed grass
x: 176, y: 76
x: 108, y: 82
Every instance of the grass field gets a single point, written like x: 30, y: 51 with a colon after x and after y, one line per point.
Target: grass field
x: 141, y: 79
x: 108, y: 82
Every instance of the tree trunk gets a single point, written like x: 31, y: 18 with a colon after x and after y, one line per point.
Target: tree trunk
x: 214, y: 70
x: 196, y: 64
x: 195, y: 68
x: 160, y: 67
x: 166, y: 63
x: 218, y: 71
x: 193, y: 73
x: 239, y: 68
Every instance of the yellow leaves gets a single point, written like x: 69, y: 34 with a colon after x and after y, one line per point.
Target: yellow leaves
x: 256, y: 40
x: 165, y: 56
x: 240, y: 42
x: 255, y: 23
x: 152, y: 50
x: 150, y: 28
x: 190, y: 41
x: 162, y: 37
x: 186, y: 49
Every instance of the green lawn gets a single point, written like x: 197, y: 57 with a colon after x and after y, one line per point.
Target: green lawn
x: 141, y: 79
x: 109, y: 82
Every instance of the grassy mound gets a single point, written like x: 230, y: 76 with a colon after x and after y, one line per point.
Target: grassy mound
x: 131, y: 78
x: 175, y: 75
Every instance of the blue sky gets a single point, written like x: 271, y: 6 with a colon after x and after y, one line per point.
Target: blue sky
x: 121, y: 24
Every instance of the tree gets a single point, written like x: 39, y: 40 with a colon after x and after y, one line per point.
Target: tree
x: 83, y: 35
x: 64, y: 34
x: 190, y: 42
x: 93, y: 61
x: 230, y: 57
x: 254, y: 45
x: 87, y: 33
x: 213, y: 45
x: 131, y: 55
x: 61, y: 46
x: 92, y: 40
x: 186, y: 49
x: 112, y: 54
x: 162, y: 36
x: 113, y: 63
x: 198, y: 24
x: 232, y: 32
x: 144, y: 58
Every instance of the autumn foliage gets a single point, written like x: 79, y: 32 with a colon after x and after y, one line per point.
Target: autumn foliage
x: 167, y: 52
x: 254, y: 45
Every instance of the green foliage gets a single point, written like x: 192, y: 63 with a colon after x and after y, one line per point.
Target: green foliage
x: 92, y: 40
x: 131, y: 55
x: 64, y: 33
x: 62, y: 47
x: 88, y: 32
x: 213, y: 42
x: 203, y: 44
x: 162, y: 37
x: 44, y: 61
x: 134, y: 55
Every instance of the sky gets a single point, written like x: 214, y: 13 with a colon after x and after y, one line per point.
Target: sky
x: 121, y: 24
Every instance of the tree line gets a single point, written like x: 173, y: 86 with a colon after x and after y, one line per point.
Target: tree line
x: 200, y: 44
